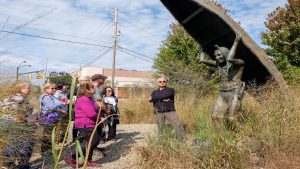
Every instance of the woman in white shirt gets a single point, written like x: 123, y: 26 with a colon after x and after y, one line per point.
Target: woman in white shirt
x: 111, y: 102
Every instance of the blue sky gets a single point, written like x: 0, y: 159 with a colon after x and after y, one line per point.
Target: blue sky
x: 143, y: 24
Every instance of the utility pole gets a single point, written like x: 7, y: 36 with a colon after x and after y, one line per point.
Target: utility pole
x: 114, y: 49
x: 17, y: 75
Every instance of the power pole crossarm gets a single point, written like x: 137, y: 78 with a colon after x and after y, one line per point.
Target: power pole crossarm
x: 114, y: 49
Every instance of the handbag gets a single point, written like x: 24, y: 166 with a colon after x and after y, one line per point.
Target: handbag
x: 49, y: 118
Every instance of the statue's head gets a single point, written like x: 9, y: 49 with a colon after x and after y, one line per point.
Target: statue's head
x: 221, y: 54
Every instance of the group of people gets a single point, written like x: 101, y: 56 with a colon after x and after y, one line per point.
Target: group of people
x: 19, y: 119
x: 93, y: 106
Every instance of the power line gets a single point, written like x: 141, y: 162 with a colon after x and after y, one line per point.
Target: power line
x: 61, y: 10
x: 135, y: 52
x: 94, y: 33
x: 27, y: 23
x: 92, y: 58
x: 104, y: 25
x: 105, y: 28
x: 58, y: 33
x: 135, y: 56
x: 97, y: 57
x: 100, y: 60
x: 138, y: 32
x: 7, y: 51
x: 54, y: 39
x: 140, y: 27
x: 6, y: 22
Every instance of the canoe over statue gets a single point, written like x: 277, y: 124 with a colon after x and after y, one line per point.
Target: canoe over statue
x: 208, y: 23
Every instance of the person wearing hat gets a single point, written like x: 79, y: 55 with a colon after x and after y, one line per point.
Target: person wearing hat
x: 98, y: 80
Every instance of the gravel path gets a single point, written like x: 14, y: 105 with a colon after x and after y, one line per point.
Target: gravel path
x: 121, y: 153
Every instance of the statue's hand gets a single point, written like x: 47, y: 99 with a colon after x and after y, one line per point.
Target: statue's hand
x: 238, y: 37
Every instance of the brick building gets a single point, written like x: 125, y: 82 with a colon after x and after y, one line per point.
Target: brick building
x: 124, y: 79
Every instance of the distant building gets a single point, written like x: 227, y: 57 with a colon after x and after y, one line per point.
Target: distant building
x: 124, y: 79
x: 57, y: 74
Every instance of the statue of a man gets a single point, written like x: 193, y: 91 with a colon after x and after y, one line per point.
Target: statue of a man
x: 231, y: 87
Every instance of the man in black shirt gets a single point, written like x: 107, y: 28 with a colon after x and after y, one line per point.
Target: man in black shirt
x: 163, y: 103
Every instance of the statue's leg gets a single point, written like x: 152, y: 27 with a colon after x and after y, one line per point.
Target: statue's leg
x: 218, y: 113
x: 234, y: 109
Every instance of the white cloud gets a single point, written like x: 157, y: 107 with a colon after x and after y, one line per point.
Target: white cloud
x: 252, y: 14
x: 143, y: 25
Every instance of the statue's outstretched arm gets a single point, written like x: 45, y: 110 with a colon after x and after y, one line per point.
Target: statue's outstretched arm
x: 232, y: 51
x: 205, y: 61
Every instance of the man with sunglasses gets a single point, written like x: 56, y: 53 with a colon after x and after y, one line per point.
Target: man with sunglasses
x: 163, y: 103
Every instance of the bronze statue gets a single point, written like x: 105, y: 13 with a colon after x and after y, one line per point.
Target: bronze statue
x: 231, y: 87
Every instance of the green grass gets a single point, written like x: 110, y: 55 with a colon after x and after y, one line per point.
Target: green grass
x: 268, y: 129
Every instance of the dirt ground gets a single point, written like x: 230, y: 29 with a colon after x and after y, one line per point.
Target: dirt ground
x: 120, y: 153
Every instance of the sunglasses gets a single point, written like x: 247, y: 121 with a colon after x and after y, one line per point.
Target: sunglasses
x: 161, y: 81
x: 109, y: 90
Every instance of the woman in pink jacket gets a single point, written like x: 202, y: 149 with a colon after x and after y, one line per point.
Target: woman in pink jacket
x: 86, y: 114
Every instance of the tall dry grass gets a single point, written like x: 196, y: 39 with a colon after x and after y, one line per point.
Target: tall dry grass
x: 269, y: 130
x: 11, y: 133
x: 136, y: 108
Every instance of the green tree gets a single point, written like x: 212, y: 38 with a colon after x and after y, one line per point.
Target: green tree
x: 178, y: 59
x: 67, y: 79
x: 283, y: 39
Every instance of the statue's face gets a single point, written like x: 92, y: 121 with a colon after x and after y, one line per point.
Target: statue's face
x: 219, y: 56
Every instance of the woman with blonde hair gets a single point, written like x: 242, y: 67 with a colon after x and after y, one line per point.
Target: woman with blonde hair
x: 52, y: 111
x: 17, y: 107
x: 51, y: 107
x: 16, y: 121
